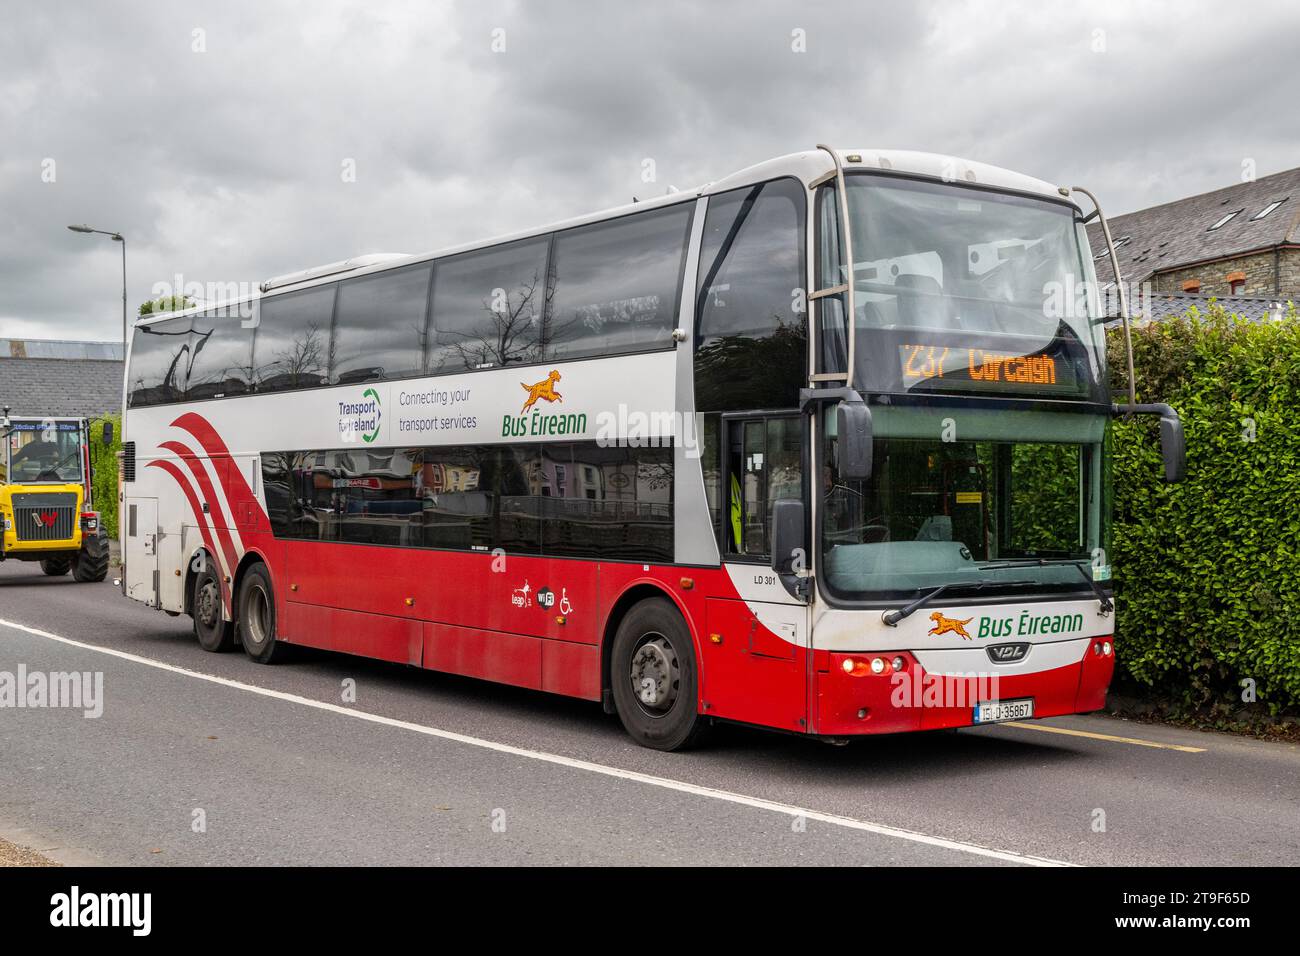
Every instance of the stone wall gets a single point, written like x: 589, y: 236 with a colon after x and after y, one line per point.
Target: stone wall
x: 1258, y: 269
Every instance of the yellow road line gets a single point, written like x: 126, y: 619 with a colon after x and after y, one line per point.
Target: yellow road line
x: 1047, y: 729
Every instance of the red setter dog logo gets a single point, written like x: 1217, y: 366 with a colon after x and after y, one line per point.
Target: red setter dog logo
x: 949, y: 625
x: 545, y: 389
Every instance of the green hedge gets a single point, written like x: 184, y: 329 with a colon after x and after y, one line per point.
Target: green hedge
x: 1207, y: 572
x: 103, y: 461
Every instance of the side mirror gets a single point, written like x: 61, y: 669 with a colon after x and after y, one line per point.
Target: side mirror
x: 108, y: 433
x: 1173, y: 445
x: 787, y: 535
x: 853, y: 428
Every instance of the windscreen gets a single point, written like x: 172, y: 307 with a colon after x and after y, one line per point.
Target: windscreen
x: 993, y: 499
x: 42, y: 452
x: 962, y: 290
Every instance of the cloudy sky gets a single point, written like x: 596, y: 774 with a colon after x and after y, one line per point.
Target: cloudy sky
x: 232, y: 141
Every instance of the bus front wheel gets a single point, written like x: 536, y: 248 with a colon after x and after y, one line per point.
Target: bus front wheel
x: 256, y: 618
x: 654, y: 679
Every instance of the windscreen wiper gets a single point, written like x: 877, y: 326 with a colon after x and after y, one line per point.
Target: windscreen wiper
x: 893, y: 617
x: 1107, y: 605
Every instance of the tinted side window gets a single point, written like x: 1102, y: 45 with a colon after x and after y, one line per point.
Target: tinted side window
x: 487, y: 307
x: 616, y: 284
x: 512, y: 475
x: 750, y: 333
x: 221, y: 354
x: 291, y: 343
x: 610, y: 503
x: 354, y: 495
x: 563, y: 499
x: 379, y: 329
x: 159, y: 362
x: 280, y: 488
x: 457, y: 508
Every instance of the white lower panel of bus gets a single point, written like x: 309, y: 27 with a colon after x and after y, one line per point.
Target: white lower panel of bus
x: 959, y: 661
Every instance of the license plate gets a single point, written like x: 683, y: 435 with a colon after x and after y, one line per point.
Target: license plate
x: 995, y: 710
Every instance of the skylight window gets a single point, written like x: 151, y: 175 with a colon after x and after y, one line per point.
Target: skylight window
x: 1119, y: 244
x: 1268, y: 209
x: 1223, y: 222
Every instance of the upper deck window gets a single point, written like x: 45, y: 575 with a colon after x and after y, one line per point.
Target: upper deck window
x: 751, y: 342
x: 291, y: 343
x: 616, y: 284
x: 380, y: 328
x: 159, y: 362
x: 221, y: 355
x: 488, y: 306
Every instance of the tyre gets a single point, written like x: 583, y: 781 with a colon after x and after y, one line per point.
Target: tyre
x: 654, y: 677
x: 55, y: 566
x: 255, y: 618
x: 214, y: 632
x: 91, y: 562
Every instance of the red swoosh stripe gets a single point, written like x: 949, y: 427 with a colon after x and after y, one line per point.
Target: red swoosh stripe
x: 175, y: 472
x: 246, y: 511
x: 205, y: 486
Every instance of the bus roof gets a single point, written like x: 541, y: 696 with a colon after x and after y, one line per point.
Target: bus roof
x: 808, y: 166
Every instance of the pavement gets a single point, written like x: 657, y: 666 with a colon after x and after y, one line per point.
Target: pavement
x: 210, y: 759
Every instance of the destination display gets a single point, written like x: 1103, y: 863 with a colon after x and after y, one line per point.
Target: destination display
x: 934, y: 367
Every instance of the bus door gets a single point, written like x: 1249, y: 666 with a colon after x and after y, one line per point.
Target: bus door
x: 755, y: 651
x: 141, y: 550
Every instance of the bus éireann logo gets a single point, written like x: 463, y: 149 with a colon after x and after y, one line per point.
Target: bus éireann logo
x: 545, y: 389
x: 949, y: 625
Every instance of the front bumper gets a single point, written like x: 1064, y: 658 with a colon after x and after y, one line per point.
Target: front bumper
x: 910, y: 699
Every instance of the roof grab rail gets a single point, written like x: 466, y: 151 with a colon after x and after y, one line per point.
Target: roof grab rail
x: 845, y: 288
x: 1119, y: 285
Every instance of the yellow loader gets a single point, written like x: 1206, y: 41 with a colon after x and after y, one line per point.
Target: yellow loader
x: 46, y: 510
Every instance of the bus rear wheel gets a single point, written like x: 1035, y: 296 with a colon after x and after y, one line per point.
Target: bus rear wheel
x: 55, y: 567
x: 654, y: 678
x: 213, y: 631
x: 256, y: 617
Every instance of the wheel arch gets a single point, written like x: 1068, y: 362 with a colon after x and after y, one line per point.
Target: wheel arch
x: 634, y: 594
x: 251, y: 556
x: 187, y: 593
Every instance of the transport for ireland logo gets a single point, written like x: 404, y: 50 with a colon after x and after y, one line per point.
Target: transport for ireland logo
x: 361, y: 418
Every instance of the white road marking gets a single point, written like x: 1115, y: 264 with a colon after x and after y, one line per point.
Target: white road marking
x: 665, y: 783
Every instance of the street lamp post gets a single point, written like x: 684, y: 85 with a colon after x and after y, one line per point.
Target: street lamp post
x: 116, y: 237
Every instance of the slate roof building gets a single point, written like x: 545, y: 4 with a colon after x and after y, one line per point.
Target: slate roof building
x: 1239, y: 244
x: 57, y: 378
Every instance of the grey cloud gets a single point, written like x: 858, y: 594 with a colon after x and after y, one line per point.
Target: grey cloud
x: 225, y: 165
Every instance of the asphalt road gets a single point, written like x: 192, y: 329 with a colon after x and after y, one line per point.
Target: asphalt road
x: 211, y: 759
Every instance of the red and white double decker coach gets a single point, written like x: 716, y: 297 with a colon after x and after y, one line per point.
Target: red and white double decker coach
x: 820, y: 446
